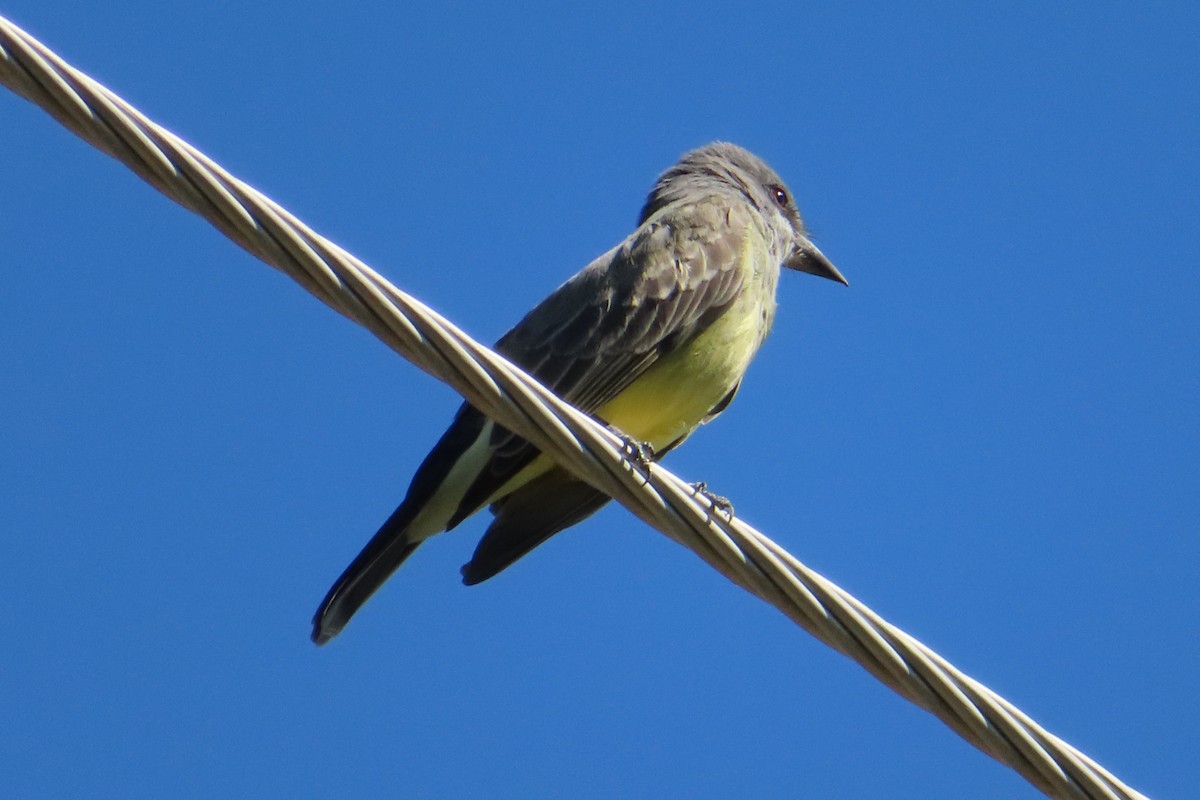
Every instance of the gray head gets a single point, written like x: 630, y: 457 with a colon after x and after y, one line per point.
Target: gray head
x: 720, y: 167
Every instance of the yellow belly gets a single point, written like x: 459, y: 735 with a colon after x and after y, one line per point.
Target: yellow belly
x: 674, y: 395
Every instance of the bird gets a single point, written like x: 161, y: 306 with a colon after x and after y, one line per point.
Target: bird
x: 652, y: 338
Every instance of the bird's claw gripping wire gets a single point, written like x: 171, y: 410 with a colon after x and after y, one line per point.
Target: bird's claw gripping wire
x: 640, y: 453
x: 718, y: 502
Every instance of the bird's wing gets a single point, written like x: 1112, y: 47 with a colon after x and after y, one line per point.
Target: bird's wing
x: 605, y: 327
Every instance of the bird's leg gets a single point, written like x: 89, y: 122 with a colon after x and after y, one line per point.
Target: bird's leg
x: 718, y: 502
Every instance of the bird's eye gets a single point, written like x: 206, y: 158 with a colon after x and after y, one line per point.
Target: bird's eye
x: 781, y: 196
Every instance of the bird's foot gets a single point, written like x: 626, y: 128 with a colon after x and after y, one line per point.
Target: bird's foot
x: 720, y: 503
x: 640, y: 453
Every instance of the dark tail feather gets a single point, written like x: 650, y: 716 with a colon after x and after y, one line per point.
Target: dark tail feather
x: 528, y: 517
x: 382, y: 556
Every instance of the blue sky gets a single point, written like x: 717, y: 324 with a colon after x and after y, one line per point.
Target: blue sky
x: 991, y: 437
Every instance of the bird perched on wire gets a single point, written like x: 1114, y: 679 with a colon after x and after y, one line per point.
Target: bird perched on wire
x: 653, y: 338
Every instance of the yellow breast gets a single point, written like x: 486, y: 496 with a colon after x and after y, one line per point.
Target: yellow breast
x: 674, y: 395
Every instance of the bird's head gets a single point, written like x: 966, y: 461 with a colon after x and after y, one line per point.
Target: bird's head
x: 723, y: 166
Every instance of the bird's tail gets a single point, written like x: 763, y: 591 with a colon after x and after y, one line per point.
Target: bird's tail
x: 382, y: 556
x: 528, y: 517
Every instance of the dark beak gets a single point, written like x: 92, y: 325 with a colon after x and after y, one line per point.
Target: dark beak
x: 807, y: 258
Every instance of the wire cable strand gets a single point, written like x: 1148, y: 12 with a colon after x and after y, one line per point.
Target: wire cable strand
x: 589, y: 450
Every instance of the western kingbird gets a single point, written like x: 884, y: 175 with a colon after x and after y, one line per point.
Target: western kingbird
x: 652, y: 338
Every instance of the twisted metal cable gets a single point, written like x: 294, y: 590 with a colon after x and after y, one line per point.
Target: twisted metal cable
x: 589, y: 450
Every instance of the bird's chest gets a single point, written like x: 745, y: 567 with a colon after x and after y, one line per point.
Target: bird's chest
x: 679, y: 391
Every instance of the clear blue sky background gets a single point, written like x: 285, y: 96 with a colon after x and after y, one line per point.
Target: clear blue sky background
x: 991, y: 437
